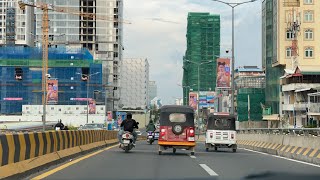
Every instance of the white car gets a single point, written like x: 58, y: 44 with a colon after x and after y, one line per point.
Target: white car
x: 138, y: 132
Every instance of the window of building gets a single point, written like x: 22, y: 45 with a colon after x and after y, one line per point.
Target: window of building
x: 85, y: 74
x: 308, y: 16
x: 18, y: 74
x: 52, y: 108
x: 309, y: 52
x: 289, y: 34
x: 288, y: 52
x: 308, y: 34
x: 308, y: 1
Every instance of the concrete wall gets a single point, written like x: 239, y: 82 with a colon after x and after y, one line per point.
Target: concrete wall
x: 303, y: 148
x: 143, y: 119
x: 253, y: 124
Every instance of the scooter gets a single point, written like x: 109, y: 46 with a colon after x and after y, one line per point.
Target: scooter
x: 150, y: 137
x: 127, y: 142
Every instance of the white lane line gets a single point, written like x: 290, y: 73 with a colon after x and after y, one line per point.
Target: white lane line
x: 209, y: 170
x: 193, y: 157
x: 280, y: 157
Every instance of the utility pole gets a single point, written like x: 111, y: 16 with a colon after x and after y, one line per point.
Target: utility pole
x: 233, y: 5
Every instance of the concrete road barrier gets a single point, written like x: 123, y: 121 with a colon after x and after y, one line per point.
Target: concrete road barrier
x: 303, y: 148
x: 25, y: 151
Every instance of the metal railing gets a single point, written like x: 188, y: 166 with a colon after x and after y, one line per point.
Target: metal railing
x: 282, y: 131
x: 39, y: 128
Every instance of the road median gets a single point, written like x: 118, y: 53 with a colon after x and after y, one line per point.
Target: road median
x: 27, y: 153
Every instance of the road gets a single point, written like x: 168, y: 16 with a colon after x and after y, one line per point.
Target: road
x: 145, y: 163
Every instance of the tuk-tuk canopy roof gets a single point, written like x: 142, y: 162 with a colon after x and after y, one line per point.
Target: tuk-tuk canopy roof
x: 221, y: 122
x: 176, y: 108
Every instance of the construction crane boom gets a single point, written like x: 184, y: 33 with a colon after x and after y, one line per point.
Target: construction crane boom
x: 45, y: 36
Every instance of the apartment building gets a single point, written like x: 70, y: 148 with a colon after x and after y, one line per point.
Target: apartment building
x: 290, y: 58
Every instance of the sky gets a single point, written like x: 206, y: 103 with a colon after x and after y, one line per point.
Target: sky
x: 158, y: 33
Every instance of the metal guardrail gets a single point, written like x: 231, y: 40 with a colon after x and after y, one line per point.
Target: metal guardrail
x: 282, y: 131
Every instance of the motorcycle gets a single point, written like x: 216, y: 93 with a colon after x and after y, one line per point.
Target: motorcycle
x: 150, y: 137
x: 127, y: 142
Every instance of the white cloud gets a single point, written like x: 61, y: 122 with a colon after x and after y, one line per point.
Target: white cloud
x: 164, y: 43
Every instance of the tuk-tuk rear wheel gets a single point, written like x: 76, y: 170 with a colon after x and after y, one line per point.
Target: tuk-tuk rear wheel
x: 160, y: 152
x: 174, y: 150
x: 234, y: 150
x: 216, y: 148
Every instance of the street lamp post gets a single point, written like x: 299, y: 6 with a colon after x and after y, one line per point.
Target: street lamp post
x: 198, y: 100
x: 88, y: 80
x: 233, y: 5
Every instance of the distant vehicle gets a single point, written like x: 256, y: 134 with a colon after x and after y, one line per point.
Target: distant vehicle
x: 138, y: 132
x: 93, y: 126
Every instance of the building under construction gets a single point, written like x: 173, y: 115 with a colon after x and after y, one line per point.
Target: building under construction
x: 102, y: 35
x: 203, y: 45
x: 21, y: 77
x: 250, y: 95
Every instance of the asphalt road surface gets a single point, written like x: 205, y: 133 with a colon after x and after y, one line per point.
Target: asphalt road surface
x: 143, y: 162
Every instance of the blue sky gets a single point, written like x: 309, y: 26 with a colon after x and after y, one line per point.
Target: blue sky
x: 158, y: 32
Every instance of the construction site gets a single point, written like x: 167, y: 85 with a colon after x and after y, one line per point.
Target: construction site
x: 21, y: 77
x: 84, y: 33
x: 203, y: 48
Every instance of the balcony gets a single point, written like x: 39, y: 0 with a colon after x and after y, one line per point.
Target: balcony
x: 314, y: 109
x: 296, y: 106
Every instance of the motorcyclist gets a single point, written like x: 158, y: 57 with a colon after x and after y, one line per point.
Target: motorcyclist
x: 151, y: 127
x: 59, y: 125
x: 129, y: 125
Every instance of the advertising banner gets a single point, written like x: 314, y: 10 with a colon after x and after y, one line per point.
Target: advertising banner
x: 223, y: 73
x: 12, y: 99
x: 52, y: 91
x: 109, y: 116
x: 92, y: 107
x: 207, y: 99
x: 193, y: 97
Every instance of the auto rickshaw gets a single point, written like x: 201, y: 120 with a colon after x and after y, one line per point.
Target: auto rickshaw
x: 221, y: 132
x: 177, y: 129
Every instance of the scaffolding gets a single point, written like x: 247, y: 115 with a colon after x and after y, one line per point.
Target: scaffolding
x: 21, y: 76
x: 203, y: 44
x: 252, y: 97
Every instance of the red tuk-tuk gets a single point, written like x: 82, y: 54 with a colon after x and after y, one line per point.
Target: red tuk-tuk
x: 177, y: 129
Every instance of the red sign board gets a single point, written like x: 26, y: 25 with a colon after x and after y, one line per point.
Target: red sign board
x: 13, y: 99
x: 80, y: 99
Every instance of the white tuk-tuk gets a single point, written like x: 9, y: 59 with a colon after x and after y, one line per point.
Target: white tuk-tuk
x: 221, y: 132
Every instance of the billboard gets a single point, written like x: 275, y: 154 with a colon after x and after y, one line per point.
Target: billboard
x: 92, y: 107
x: 109, y: 117
x: 223, y: 73
x: 52, y: 91
x: 206, y: 99
x: 193, y: 97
